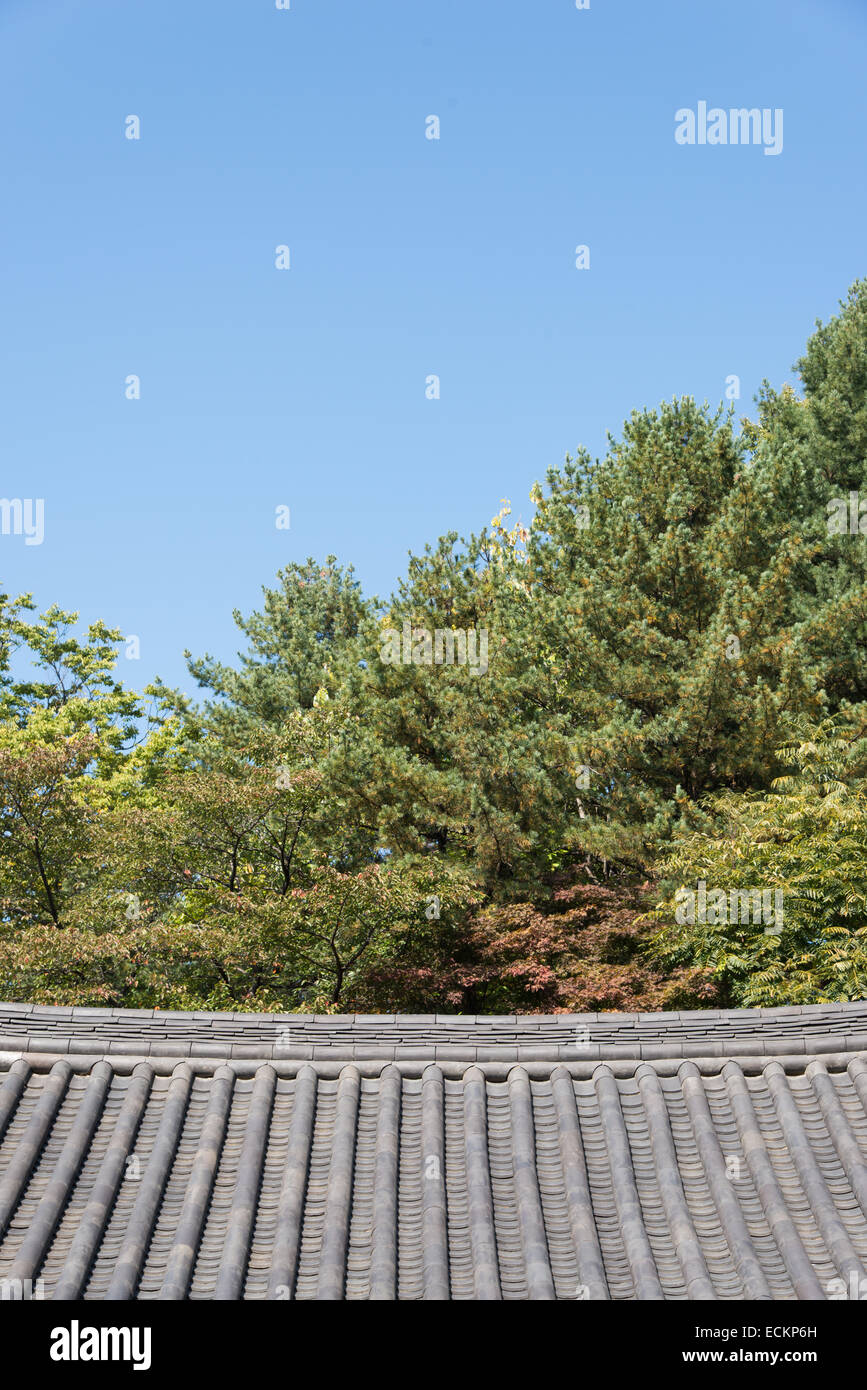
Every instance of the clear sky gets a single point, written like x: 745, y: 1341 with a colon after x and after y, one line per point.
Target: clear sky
x: 409, y: 257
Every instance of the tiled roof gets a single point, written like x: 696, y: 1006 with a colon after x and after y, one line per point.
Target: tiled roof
x: 686, y: 1156
x: 427, y: 1037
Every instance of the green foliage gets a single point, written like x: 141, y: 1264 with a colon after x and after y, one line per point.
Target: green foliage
x: 251, y: 952
x: 45, y: 825
x: 806, y: 837
x: 305, y: 639
x: 675, y: 626
x: 68, y: 682
x: 234, y: 879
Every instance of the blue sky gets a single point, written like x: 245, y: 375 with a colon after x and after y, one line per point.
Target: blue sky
x: 409, y: 257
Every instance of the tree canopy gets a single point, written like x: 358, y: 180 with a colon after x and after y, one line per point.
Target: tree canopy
x: 673, y: 688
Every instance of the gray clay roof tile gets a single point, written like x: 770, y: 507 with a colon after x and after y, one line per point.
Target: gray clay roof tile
x: 148, y: 1154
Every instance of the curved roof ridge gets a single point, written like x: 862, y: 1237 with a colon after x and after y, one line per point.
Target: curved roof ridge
x: 814, y: 1029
